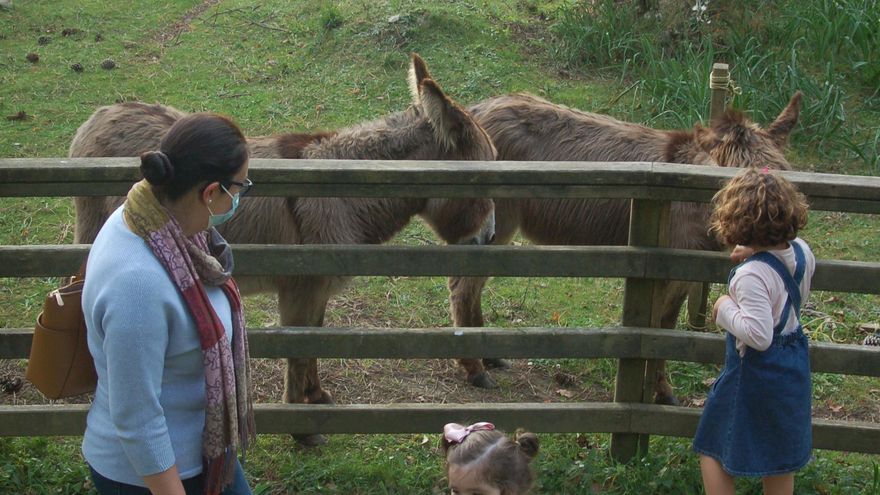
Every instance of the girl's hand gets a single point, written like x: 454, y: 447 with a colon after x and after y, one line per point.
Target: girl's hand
x: 718, y: 305
x: 740, y: 253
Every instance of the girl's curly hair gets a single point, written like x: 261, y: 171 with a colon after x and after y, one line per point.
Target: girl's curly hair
x: 758, y: 208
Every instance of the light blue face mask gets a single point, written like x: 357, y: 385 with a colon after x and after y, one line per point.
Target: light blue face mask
x: 215, y: 220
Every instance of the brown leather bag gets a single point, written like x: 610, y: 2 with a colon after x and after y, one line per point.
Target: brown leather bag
x: 60, y: 364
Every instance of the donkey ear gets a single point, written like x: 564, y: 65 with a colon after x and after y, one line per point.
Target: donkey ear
x: 785, y: 122
x: 418, y: 72
x: 450, y: 122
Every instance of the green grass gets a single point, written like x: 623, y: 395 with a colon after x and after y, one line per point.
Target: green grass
x: 826, y: 49
x: 403, y: 464
x: 280, y: 66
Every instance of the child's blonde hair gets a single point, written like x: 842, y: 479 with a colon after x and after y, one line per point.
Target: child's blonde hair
x: 758, y: 208
x: 495, y: 458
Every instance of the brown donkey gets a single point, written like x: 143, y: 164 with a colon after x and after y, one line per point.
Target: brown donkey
x: 525, y: 127
x: 433, y: 128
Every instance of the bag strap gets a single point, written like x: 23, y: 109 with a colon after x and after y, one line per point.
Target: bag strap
x: 81, y: 273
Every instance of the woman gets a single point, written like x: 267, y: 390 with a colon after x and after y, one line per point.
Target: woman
x: 165, y: 324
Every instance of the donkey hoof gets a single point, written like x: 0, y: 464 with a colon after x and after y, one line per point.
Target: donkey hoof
x: 666, y: 400
x: 495, y: 364
x: 323, y: 398
x: 482, y: 380
x: 310, y: 440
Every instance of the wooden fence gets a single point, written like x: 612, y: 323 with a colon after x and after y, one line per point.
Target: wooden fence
x: 630, y: 418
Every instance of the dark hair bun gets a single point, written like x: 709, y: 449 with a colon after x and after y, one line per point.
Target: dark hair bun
x: 528, y: 443
x: 157, y: 168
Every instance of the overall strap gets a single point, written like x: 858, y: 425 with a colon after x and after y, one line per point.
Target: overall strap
x: 792, y: 287
x: 792, y: 282
x: 774, y: 262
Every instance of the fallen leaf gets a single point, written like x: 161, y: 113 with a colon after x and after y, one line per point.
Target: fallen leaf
x: 565, y: 379
x: 11, y: 385
x: 698, y: 402
x: 583, y: 441
x: 565, y: 393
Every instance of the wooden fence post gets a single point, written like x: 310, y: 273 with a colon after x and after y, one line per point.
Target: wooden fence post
x: 699, y: 293
x: 649, y: 227
x: 719, y: 86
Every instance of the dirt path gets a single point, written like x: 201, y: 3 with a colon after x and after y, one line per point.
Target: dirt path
x: 167, y: 34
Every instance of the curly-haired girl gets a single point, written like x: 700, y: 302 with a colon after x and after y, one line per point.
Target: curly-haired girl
x: 757, y: 417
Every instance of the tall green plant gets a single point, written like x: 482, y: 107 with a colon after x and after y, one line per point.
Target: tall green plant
x: 828, y: 49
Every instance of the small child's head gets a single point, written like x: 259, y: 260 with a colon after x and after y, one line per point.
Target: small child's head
x: 758, y: 208
x: 482, y: 460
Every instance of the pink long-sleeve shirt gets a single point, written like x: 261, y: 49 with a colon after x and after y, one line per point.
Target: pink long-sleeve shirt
x: 758, y: 297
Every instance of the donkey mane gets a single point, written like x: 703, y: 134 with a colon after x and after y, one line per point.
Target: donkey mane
x: 680, y: 143
x: 291, y: 145
x: 513, y: 120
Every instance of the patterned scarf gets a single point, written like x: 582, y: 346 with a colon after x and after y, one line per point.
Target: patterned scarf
x: 191, y: 262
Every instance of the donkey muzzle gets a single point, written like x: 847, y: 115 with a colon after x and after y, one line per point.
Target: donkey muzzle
x: 486, y: 234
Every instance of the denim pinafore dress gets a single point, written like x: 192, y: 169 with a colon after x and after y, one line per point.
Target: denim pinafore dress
x: 757, y: 419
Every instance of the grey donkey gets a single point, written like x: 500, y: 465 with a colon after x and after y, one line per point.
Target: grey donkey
x: 525, y: 127
x: 434, y: 127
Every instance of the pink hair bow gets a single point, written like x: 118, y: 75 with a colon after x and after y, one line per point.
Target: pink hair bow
x: 765, y: 170
x: 456, y: 433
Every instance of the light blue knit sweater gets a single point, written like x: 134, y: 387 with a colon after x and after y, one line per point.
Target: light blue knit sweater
x: 148, y: 412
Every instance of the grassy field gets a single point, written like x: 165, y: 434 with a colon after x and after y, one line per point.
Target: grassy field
x: 279, y: 66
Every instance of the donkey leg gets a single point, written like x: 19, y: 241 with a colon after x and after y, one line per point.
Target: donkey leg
x: 295, y: 381
x: 465, y: 296
x: 675, y: 293
x: 663, y: 393
x: 314, y: 393
x: 303, y: 305
x: 296, y: 391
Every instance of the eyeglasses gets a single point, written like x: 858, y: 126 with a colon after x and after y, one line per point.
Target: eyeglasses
x: 245, y: 186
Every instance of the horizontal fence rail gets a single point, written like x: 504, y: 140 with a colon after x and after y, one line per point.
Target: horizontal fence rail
x: 598, y: 417
x: 651, y: 186
x: 505, y: 261
x: 360, y: 178
x: 429, y: 343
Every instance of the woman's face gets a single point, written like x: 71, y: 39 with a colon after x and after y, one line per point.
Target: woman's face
x: 217, y: 199
x: 463, y: 481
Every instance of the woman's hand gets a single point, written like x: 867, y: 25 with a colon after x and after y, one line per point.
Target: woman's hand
x: 718, y: 305
x: 165, y: 483
x: 740, y: 253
